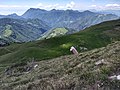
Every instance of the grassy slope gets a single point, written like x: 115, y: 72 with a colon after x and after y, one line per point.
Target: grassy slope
x: 53, y: 33
x: 7, y: 31
x: 94, y: 37
x: 57, y: 32
x: 72, y: 72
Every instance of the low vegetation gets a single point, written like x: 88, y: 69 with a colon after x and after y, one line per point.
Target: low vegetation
x: 7, y: 31
x: 71, y: 72
x: 57, y: 32
x: 94, y: 37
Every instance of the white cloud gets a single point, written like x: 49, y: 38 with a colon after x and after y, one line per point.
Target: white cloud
x: 40, y: 5
x: 70, y: 5
x: 48, y: 7
x: 52, y: 6
x: 12, y: 6
x: 56, y: 6
x: 9, y: 6
x: 112, y: 5
x: 93, y: 6
x: 8, y: 9
x: 106, y: 7
x: 96, y: 7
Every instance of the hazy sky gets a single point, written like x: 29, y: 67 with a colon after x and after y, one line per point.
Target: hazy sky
x: 20, y: 6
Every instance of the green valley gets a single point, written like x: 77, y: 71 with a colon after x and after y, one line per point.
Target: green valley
x: 7, y: 31
x: 57, y: 32
x: 93, y: 37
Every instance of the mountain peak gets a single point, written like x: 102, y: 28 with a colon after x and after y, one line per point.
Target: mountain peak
x: 53, y: 10
x: 37, y: 9
x: 87, y: 11
x: 14, y: 14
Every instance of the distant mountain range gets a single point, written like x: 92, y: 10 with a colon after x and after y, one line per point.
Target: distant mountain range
x: 68, y: 18
x: 35, y: 23
x: 16, y: 30
x: 116, y: 12
x: 14, y: 16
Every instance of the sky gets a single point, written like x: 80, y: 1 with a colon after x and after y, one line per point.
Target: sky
x: 20, y: 6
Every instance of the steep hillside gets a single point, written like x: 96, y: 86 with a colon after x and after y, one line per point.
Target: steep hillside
x: 68, y: 18
x: 38, y: 23
x: 56, y: 32
x: 91, y: 20
x: 16, y: 30
x: 94, y: 37
x: 93, y: 70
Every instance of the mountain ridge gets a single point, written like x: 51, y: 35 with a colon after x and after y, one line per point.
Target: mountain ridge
x: 15, y: 30
x: 65, y: 18
x: 72, y: 20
